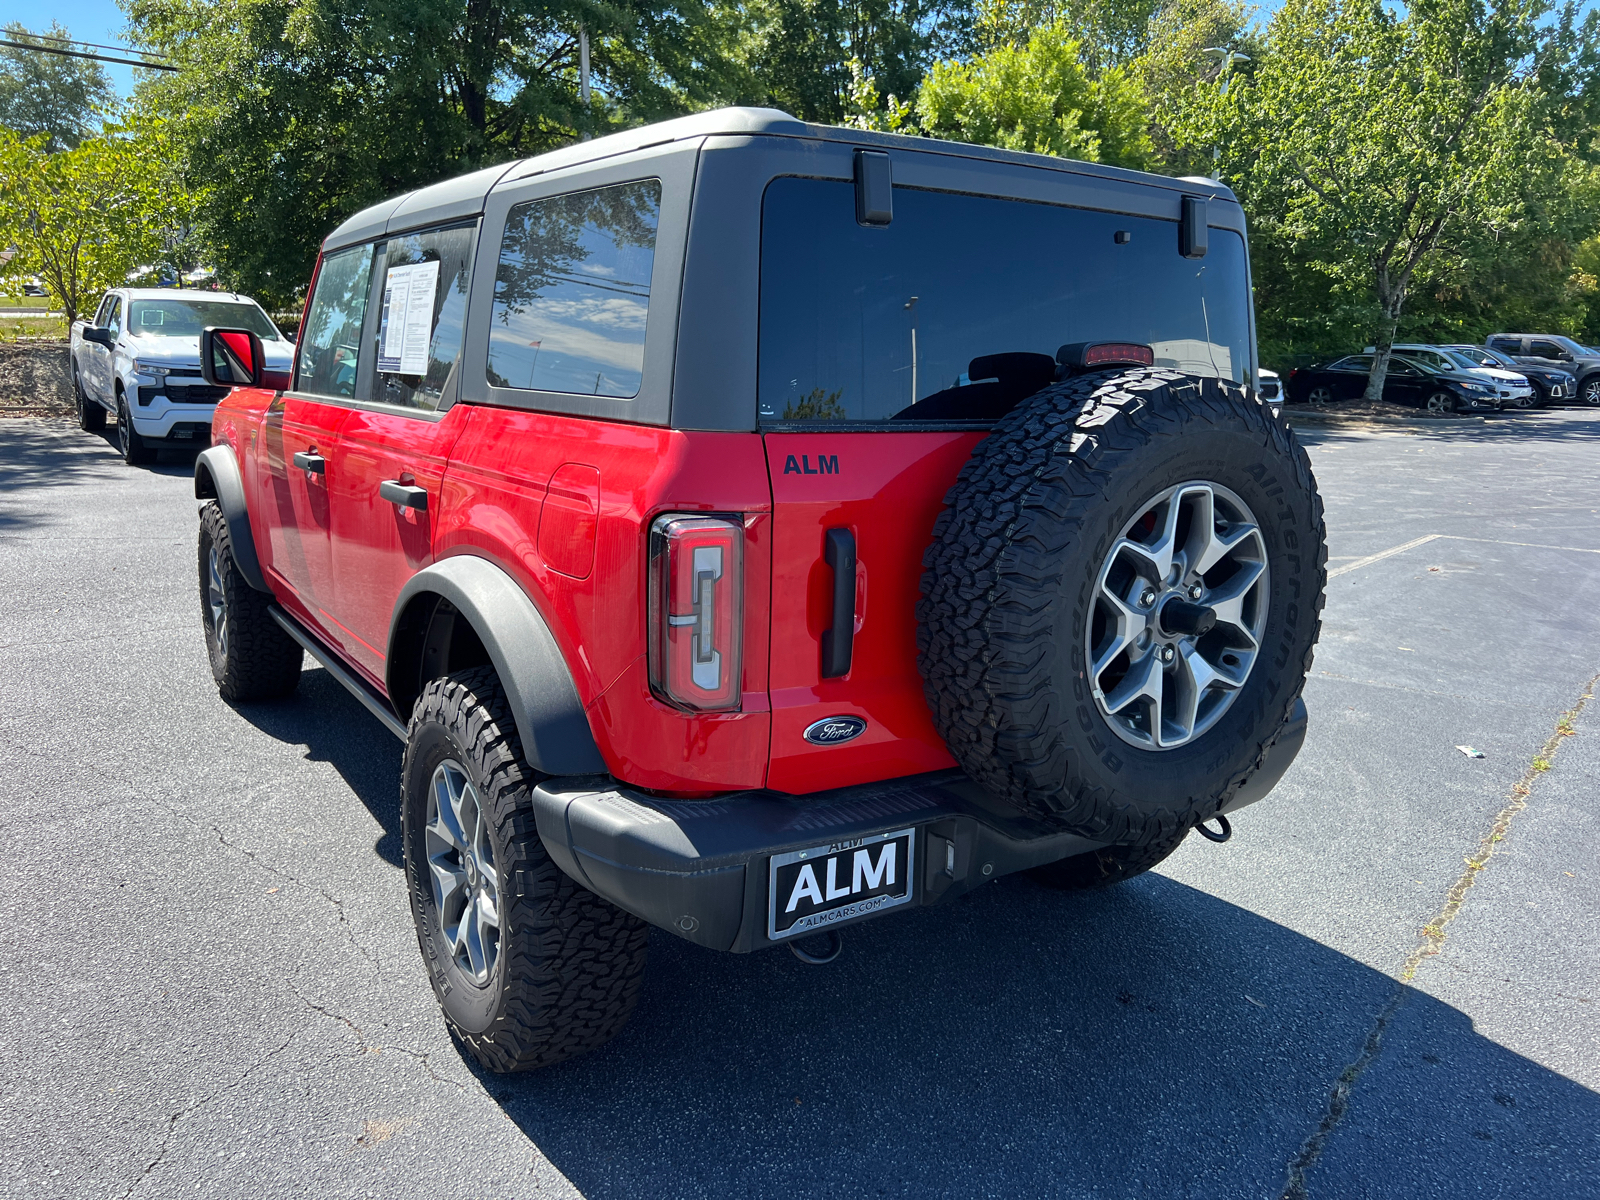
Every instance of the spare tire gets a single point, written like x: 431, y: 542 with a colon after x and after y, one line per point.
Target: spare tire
x: 1121, y: 600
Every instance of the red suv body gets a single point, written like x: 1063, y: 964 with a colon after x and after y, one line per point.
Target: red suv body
x: 644, y: 426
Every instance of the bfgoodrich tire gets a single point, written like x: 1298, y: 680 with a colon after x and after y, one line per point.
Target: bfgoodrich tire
x: 252, y: 658
x: 1058, y: 520
x: 529, y: 968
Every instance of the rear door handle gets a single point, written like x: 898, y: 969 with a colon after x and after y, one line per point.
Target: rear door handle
x: 838, y: 641
x: 310, y: 460
x: 404, y: 495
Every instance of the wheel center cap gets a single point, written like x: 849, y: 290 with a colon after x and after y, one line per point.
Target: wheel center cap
x: 472, y: 871
x: 1179, y: 616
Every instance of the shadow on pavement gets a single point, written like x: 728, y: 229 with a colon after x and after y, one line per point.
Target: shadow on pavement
x: 1147, y: 1041
x: 1525, y: 427
x: 333, y: 727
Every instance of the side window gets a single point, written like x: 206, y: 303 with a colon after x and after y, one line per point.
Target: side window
x: 424, y: 311
x: 114, y: 318
x: 103, y: 313
x: 1506, y: 345
x: 330, y: 340
x: 572, y: 292
x: 1399, y: 366
x: 1546, y: 350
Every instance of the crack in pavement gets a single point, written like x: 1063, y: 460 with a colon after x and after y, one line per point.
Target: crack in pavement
x: 172, y: 1121
x: 1430, y: 942
x: 368, y: 1045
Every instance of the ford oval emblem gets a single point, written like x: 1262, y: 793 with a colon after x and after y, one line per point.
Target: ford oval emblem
x: 830, y: 731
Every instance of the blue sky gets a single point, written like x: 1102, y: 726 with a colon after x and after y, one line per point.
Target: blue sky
x: 91, y: 20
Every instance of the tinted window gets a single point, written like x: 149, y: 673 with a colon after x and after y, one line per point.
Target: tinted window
x: 1545, y: 350
x: 1356, y: 362
x: 330, y: 339
x: 1399, y: 366
x: 186, y: 318
x: 424, y: 312
x: 572, y: 291
x: 963, y: 278
x: 1509, y: 345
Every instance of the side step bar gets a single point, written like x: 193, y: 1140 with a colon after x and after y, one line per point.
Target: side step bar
x: 375, y: 704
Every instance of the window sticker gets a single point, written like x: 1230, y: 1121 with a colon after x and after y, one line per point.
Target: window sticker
x: 408, y: 295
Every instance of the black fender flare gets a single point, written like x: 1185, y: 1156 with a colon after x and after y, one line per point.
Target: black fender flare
x: 556, y: 738
x: 217, y: 477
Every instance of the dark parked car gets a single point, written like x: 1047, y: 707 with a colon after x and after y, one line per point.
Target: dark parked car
x: 1555, y: 351
x: 1549, y: 383
x: 1407, y: 382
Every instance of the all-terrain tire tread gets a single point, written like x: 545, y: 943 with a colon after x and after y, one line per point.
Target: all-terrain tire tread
x: 263, y: 662
x: 994, y: 563
x: 573, y: 963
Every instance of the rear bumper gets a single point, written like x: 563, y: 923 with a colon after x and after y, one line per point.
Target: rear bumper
x: 699, y: 867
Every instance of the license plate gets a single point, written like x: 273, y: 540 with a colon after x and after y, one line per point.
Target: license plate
x: 809, y: 890
x: 183, y: 433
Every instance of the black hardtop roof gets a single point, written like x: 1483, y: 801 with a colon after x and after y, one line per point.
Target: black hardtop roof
x: 463, y: 196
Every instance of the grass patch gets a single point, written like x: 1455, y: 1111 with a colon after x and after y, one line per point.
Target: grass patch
x: 40, y: 302
x: 16, y: 328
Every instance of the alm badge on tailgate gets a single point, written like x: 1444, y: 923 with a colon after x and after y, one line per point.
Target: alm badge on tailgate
x: 811, y: 889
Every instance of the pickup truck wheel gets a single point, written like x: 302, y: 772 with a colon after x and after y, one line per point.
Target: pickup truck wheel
x: 252, y: 658
x: 529, y: 967
x: 1120, y: 602
x: 134, y: 450
x: 1109, y: 865
x: 91, y: 417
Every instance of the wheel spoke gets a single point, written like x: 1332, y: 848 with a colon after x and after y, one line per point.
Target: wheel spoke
x: 1194, y: 677
x: 448, y: 882
x: 1228, y: 600
x: 1129, y: 620
x: 1143, y: 681
x: 472, y: 922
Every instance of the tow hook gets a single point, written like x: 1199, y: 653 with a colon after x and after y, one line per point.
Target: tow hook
x: 835, y: 948
x: 1214, y: 835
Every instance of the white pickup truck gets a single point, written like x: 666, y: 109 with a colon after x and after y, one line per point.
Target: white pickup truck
x: 138, y: 358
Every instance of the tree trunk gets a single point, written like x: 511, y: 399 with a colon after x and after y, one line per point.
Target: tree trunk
x: 1390, y: 301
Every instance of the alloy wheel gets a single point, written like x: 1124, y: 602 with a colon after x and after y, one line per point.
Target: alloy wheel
x: 1179, y: 611
x: 462, y: 870
x: 1321, y: 395
x: 1441, y: 402
x: 1591, y: 392
x: 217, y: 600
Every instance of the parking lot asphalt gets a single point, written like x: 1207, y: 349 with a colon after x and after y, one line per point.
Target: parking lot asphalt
x: 213, y: 988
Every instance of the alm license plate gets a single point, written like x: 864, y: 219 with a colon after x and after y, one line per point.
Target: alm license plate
x: 809, y: 890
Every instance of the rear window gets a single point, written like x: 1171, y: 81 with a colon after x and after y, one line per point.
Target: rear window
x: 572, y: 292
x: 869, y: 324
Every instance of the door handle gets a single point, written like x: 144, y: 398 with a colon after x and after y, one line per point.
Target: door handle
x: 838, y: 640
x: 404, y: 495
x: 310, y: 460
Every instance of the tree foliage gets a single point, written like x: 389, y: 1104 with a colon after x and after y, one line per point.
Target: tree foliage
x: 1379, y: 151
x: 1038, y: 97
x: 50, y: 95
x: 80, y: 219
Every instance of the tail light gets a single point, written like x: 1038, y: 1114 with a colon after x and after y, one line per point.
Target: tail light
x: 696, y: 611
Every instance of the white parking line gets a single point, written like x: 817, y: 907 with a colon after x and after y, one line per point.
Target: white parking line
x: 1449, y: 537
x: 1383, y: 554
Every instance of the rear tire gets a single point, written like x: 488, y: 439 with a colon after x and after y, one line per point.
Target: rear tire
x: 252, y: 658
x: 1107, y: 866
x: 557, y: 970
x: 1013, y: 596
x: 91, y: 417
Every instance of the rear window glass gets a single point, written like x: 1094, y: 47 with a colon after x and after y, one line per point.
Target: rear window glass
x: 186, y: 318
x: 859, y: 323
x: 572, y: 292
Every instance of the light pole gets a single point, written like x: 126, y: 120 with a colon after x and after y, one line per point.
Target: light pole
x: 1228, y: 57
x: 911, y: 307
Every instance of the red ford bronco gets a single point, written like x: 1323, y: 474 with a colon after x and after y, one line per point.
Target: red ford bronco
x: 751, y: 527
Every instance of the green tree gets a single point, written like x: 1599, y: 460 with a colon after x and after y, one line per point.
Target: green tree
x: 1377, y: 151
x: 293, y: 114
x: 52, y: 95
x: 1038, y: 97
x: 80, y: 219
